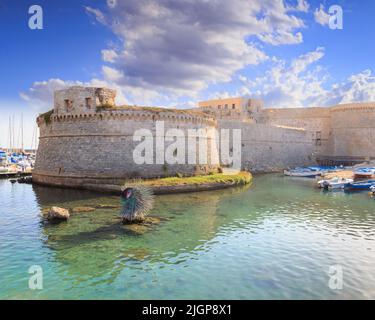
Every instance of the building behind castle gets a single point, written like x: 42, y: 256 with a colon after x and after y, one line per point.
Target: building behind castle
x: 86, y: 139
x: 341, y: 134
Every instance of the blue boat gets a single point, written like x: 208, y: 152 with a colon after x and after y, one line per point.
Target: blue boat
x: 309, y: 172
x: 364, y: 172
x: 302, y: 173
x: 361, y: 185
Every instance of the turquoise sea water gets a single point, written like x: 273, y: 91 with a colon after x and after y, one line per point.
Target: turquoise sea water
x: 276, y: 239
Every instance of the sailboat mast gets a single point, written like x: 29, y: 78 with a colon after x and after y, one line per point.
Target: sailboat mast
x: 13, y: 137
x: 10, y: 134
x: 22, y: 132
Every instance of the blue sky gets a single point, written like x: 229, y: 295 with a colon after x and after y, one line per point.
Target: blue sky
x: 174, y: 53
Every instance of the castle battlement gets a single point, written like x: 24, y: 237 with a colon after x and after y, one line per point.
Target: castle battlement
x: 134, y: 113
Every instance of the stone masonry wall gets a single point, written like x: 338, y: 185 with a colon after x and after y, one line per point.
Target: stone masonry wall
x: 83, y: 144
x: 78, y: 100
x: 98, y: 148
x: 316, y: 121
x: 266, y: 148
x: 353, y: 130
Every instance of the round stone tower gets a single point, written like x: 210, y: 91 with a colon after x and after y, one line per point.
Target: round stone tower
x: 87, y: 140
x: 353, y: 130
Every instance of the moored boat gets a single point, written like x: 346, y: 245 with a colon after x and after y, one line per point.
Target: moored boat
x: 361, y: 185
x: 334, y: 183
x: 302, y: 172
x: 363, y: 173
x: 309, y: 172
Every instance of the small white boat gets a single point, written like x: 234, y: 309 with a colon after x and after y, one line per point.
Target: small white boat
x: 303, y: 172
x: 373, y: 190
x: 334, y: 183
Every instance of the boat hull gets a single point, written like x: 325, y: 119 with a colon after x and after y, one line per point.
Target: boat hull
x: 364, y: 185
x: 334, y: 184
x: 302, y: 174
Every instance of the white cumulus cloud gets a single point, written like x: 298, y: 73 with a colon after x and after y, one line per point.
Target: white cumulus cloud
x: 321, y: 16
x: 303, y: 83
x: 181, y: 47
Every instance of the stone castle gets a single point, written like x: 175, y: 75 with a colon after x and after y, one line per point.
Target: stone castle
x: 87, y: 140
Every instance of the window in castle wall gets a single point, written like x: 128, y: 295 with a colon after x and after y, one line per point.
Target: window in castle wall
x: 88, y: 103
x: 67, y: 104
x: 233, y: 106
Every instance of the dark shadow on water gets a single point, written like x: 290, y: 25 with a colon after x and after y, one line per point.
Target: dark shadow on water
x: 49, y: 195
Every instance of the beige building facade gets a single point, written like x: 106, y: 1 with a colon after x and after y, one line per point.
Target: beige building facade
x: 341, y: 134
x: 237, y: 108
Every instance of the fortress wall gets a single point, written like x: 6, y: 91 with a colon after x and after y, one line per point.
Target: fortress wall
x: 88, y: 140
x: 315, y: 120
x: 266, y: 148
x: 99, y: 149
x: 353, y: 130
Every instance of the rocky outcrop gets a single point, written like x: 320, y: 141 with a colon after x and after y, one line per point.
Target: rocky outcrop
x: 142, y: 227
x: 58, y: 214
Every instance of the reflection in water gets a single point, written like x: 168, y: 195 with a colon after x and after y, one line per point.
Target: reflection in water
x: 102, y: 235
x: 275, y: 239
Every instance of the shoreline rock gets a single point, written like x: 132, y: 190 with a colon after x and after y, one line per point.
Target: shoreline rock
x: 140, y: 228
x: 58, y: 214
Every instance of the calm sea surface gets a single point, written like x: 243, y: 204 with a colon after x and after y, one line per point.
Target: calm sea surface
x: 276, y: 239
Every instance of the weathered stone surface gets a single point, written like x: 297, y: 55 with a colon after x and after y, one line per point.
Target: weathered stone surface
x: 56, y: 214
x: 107, y: 206
x: 83, y: 209
x: 152, y: 220
x: 144, y: 226
x: 136, y: 228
